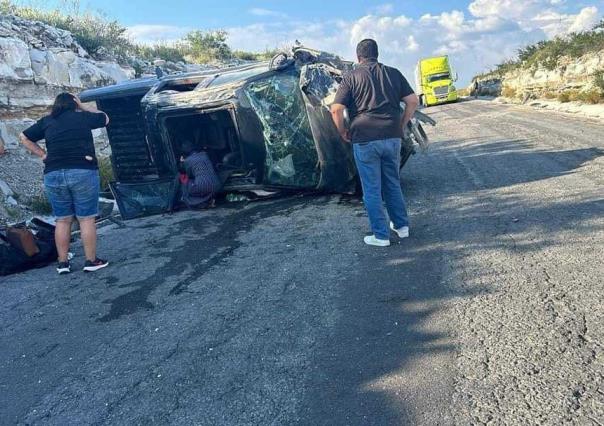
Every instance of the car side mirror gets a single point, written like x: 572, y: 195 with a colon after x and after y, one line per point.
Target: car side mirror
x: 455, y: 76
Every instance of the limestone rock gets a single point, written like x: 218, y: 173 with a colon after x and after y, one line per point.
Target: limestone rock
x: 530, y: 83
x: 38, y: 61
x: 10, y: 130
x: 14, y: 59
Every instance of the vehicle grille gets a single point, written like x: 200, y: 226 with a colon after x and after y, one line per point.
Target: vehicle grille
x: 441, y: 91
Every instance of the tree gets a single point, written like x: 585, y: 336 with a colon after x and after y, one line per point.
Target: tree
x: 207, y: 46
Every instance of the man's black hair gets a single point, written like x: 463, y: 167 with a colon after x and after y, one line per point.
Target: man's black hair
x: 367, y: 49
x: 187, y: 148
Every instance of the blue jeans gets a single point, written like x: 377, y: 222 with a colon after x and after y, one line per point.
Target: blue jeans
x: 378, y: 165
x: 73, y: 192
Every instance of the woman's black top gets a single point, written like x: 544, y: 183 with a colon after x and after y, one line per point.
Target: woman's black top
x: 68, y: 139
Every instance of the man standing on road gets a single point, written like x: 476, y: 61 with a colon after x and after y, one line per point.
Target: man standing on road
x: 372, y: 93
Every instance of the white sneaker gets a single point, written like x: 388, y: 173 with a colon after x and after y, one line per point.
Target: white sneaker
x: 372, y: 241
x: 401, y: 232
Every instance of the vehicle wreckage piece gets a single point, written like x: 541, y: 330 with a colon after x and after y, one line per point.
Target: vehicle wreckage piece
x: 265, y: 126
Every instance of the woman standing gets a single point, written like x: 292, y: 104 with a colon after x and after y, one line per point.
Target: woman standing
x: 71, y: 176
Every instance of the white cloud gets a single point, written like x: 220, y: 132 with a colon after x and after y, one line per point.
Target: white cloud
x: 382, y: 9
x: 585, y: 20
x: 149, y: 34
x: 258, y: 11
x: 557, y: 24
x: 511, y: 9
x: 487, y: 33
x: 412, y: 44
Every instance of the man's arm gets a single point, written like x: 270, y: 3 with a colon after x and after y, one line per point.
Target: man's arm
x: 32, y: 147
x: 411, y: 101
x: 337, y: 115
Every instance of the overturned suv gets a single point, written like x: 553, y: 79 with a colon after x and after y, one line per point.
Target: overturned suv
x: 266, y: 126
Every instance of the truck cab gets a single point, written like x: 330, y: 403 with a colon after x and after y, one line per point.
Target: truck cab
x: 434, y: 81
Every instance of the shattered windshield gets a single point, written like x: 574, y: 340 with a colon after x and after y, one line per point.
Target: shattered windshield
x: 438, y: 77
x: 291, y: 157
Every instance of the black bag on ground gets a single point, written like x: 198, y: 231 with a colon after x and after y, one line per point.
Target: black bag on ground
x: 13, y: 260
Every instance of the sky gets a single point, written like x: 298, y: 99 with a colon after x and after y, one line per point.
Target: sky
x: 476, y: 34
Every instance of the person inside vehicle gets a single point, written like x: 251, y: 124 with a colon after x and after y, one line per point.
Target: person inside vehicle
x: 71, y: 175
x: 198, y: 179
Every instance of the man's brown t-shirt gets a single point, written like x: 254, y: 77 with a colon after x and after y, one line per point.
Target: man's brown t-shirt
x: 372, y: 92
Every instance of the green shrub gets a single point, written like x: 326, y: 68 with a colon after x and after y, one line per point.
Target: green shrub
x: 547, y: 53
x: 255, y: 56
x: 40, y: 204
x: 207, y: 46
x: 105, y: 173
x: 599, y: 80
x: 91, y: 30
x: 94, y: 30
x: 507, y: 66
x: 245, y: 56
x: 508, y: 92
x: 12, y: 212
x: 138, y: 69
x: 463, y: 92
x: 564, y: 97
x: 593, y: 97
x: 174, y: 52
x: 573, y: 95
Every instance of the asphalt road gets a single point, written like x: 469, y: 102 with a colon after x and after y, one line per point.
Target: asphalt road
x: 276, y: 313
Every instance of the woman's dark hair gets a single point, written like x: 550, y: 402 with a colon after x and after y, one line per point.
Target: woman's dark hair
x: 63, y: 102
x: 367, y: 49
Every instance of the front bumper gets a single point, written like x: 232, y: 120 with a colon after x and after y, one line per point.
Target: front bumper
x: 431, y: 99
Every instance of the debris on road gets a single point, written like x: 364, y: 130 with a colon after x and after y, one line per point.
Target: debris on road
x: 26, y: 246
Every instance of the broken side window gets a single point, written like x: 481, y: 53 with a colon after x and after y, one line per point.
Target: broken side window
x: 291, y: 157
x: 145, y: 199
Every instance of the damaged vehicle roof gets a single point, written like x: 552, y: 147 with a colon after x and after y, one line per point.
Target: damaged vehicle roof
x: 265, y: 125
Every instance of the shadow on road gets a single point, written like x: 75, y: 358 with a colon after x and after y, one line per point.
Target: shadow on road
x: 388, y: 346
x: 383, y: 356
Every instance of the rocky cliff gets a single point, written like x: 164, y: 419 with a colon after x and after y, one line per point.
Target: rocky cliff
x: 526, y: 83
x: 38, y: 61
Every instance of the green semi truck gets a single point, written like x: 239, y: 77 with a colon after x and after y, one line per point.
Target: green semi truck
x: 434, y: 81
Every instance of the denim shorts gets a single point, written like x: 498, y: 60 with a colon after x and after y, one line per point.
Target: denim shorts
x: 73, y: 192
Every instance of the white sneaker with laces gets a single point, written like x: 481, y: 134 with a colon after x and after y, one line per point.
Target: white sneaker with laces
x: 372, y: 241
x: 401, y: 232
